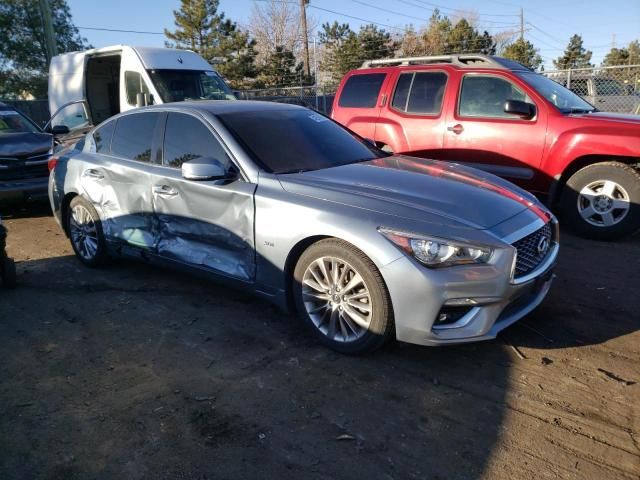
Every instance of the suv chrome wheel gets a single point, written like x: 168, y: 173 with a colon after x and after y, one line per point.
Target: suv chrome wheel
x: 83, y: 232
x: 603, y: 203
x: 337, y: 299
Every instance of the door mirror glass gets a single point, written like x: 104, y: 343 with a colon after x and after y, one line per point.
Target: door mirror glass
x: 60, y: 130
x: 520, y: 108
x: 204, y: 168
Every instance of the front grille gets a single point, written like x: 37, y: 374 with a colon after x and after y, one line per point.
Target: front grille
x: 24, y: 168
x: 529, y: 254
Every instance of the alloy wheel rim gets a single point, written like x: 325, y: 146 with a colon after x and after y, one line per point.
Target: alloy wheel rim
x: 337, y: 299
x: 84, y: 233
x: 603, y: 203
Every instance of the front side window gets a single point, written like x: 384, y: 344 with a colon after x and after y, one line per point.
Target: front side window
x: 564, y: 99
x: 420, y: 92
x: 102, y: 137
x: 187, y: 138
x: 294, y: 140
x: 73, y: 116
x: 134, y: 84
x: 181, y: 85
x: 13, y: 122
x: 485, y: 96
x: 361, y: 91
x: 133, y: 136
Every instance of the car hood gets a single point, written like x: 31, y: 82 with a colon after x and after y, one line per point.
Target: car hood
x: 418, y: 189
x: 24, y: 144
x: 611, y: 117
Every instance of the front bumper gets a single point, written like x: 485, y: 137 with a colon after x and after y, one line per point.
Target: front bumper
x: 14, y: 191
x: 492, y: 300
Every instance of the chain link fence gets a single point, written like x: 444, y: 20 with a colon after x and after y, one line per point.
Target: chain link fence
x: 610, y: 89
x: 310, y: 96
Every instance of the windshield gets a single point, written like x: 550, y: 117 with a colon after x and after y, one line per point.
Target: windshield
x: 287, y: 141
x: 180, y: 85
x: 13, y: 122
x: 561, y: 97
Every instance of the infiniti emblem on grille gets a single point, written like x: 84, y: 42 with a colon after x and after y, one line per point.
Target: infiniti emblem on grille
x: 543, y: 246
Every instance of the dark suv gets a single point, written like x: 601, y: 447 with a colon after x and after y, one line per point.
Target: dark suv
x: 24, y: 153
x: 499, y: 116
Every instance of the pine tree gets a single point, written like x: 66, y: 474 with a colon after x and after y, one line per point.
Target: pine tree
x: 23, y: 51
x: 282, y: 70
x: 575, y: 55
x: 199, y: 27
x: 524, y: 52
x: 463, y: 38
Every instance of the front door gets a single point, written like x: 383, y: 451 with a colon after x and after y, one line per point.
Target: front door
x: 203, y: 223
x: 481, y: 134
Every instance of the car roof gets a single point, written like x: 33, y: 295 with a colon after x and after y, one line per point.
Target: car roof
x: 219, y: 107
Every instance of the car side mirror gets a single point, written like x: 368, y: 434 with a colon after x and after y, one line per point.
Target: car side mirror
x: 204, y: 168
x: 520, y: 108
x: 60, y: 130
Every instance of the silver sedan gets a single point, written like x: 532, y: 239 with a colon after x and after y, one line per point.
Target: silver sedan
x: 284, y: 202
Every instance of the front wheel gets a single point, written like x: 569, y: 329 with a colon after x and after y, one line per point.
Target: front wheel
x: 340, y: 294
x: 85, y: 231
x: 602, y: 201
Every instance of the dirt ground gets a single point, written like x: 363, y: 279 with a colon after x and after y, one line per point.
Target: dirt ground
x: 141, y: 373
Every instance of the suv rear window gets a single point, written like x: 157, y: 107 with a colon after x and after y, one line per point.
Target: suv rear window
x: 361, y: 91
x: 420, y: 92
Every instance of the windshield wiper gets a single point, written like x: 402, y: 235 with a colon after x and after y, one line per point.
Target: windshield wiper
x: 580, y: 110
x: 293, y: 170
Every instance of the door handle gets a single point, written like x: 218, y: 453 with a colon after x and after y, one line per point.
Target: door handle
x: 93, y: 173
x: 457, y: 129
x: 165, y: 190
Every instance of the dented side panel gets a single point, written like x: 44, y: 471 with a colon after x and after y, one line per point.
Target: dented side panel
x: 206, y: 223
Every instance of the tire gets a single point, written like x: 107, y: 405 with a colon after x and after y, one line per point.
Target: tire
x: 594, y: 199
x: 8, y: 270
x: 85, y: 233
x: 351, y: 326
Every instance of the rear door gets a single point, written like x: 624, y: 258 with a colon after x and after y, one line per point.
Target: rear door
x: 412, y: 120
x: 481, y: 134
x: 358, y: 102
x: 204, y: 223
x: 119, y: 182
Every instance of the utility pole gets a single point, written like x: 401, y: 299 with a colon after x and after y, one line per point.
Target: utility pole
x: 305, y: 39
x: 47, y: 23
x: 521, y: 24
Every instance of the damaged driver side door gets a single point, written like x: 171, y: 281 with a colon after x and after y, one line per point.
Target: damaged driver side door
x: 205, y: 223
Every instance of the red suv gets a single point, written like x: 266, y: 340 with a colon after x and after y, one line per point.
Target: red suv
x: 501, y: 117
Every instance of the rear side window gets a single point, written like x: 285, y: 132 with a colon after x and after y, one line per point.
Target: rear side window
x: 102, y: 137
x: 361, y: 91
x: 134, y: 84
x: 420, y: 92
x: 133, y: 136
x: 187, y: 138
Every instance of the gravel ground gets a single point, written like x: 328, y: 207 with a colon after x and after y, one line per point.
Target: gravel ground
x: 137, y: 372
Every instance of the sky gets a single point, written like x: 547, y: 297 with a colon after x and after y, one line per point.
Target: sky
x: 548, y: 23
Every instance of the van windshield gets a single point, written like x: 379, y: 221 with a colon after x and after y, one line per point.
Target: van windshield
x: 180, y: 85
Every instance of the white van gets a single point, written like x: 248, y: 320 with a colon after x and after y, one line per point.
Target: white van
x: 86, y: 88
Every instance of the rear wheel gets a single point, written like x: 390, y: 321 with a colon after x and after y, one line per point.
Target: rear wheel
x: 85, y: 232
x: 602, y: 201
x: 341, y: 296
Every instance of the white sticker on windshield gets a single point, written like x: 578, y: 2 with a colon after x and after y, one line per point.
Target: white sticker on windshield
x: 210, y: 74
x: 317, y: 117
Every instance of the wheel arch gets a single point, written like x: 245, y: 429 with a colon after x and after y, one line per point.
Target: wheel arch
x: 581, y: 162
x: 64, y: 208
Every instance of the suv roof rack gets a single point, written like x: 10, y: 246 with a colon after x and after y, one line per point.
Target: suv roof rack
x: 462, y: 60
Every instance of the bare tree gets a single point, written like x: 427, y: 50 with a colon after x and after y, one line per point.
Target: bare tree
x: 276, y: 24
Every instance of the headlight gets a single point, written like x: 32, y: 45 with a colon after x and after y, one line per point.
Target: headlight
x: 438, y: 252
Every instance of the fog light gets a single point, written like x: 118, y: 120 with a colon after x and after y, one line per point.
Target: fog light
x: 449, y: 315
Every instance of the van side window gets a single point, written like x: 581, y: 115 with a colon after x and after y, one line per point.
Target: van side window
x: 485, y: 96
x: 134, y: 84
x: 186, y: 138
x: 133, y: 136
x: 420, y: 92
x: 102, y: 137
x: 361, y: 91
